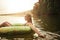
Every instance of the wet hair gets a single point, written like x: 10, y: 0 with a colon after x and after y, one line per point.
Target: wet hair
x: 28, y: 16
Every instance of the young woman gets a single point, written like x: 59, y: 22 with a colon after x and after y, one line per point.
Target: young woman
x: 29, y: 22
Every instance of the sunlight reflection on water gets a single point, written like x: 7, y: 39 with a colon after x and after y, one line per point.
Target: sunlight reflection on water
x: 12, y: 19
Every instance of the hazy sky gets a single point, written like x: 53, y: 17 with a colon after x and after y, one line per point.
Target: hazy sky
x: 12, y: 6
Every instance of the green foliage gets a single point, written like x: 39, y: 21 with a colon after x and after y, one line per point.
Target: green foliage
x: 17, y: 24
x: 49, y: 13
x: 13, y: 29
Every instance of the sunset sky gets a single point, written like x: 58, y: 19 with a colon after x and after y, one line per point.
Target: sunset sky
x: 13, y: 6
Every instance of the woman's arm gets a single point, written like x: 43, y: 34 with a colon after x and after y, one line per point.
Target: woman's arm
x: 35, y: 30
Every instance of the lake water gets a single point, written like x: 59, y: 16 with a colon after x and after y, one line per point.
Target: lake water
x: 12, y: 19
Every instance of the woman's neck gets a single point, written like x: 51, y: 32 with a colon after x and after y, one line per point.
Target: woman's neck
x: 29, y: 22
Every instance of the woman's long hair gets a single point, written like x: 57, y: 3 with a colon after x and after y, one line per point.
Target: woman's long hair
x: 28, y: 18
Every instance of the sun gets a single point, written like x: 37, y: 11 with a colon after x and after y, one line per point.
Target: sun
x: 13, y: 6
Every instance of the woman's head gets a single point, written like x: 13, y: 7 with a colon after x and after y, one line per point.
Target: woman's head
x: 28, y: 18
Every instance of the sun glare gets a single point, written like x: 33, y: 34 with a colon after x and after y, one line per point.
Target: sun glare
x: 12, y: 19
x: 12, y: 6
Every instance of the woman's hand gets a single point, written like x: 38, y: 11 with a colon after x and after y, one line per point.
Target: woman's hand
x: 34, y: 29
x: 43, y: 36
